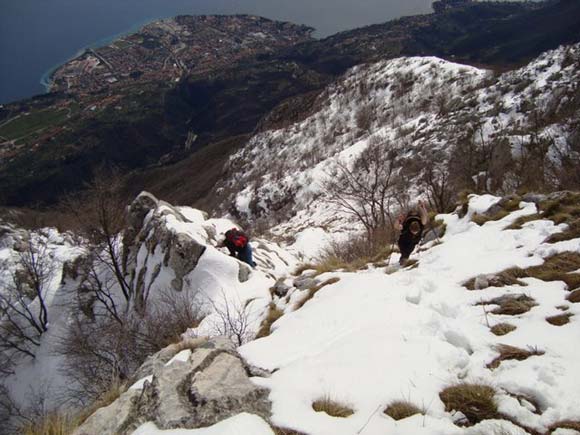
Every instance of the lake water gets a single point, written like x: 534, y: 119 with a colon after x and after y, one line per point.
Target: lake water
x: 38, y: 35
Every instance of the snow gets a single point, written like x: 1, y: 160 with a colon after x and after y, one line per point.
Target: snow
x: 141, y: 383
x: 421, y: 103
x: 372, y: 338
x: 241, y: 424
x: 181, y: 356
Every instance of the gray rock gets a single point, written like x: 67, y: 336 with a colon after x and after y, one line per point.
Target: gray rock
x: 143, y: 204
x: 212, y: 385
x: 224, y: 390
x: 112, y: 419
x: 302, y: 283
x: 184, y: 254
x: 181, y: 252
x: 281, y: 289
x: 433, y: 234
x: 244, y: 272
x: 155, y: 363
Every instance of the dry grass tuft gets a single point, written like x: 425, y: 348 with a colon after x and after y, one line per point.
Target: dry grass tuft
x: 302, y: 268
x: 480, y: 219
x: 65, y: 424
x: 502, y: 279
x: 52, y: 424
x: 574, y: 296
x: 572, y: 232
x: 511, y: 305
x: 312, y: 291
x: 565, y: 424
x: 558, y: 268
x: 502, y: 329
x: 560, y: 319
x: 274, y: 313
x: 475, y: 401
x: 332, y: 408
x: 507, y: 352
x: 566, y: 209
x: 507, y: 206
x: 284, y: 431
x: 401, y: 409
x: 519, y: 222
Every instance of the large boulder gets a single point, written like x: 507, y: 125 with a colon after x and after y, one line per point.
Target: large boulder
x: 196, y: 388
x: 151, y: 245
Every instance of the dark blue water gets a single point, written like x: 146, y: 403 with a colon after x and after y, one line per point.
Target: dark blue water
x: 38, y: 35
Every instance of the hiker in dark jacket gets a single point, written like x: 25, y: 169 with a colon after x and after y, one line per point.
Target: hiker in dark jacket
x: 239, y: 246
x: 411, y: 227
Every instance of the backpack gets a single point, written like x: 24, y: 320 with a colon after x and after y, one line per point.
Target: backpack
x: 236, y: 238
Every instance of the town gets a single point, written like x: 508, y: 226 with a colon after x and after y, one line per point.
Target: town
x: 170, y: 49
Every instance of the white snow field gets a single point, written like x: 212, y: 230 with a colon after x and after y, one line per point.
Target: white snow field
x: 373, y: 338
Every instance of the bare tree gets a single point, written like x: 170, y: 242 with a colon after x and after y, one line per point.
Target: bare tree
x: 23, y: 305
x: 437, y: 182
x: 100, y: 214
x: 365, y: 189
x: 232, y: 319
x: 108, y: 348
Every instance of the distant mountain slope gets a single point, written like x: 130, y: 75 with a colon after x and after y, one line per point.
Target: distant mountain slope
x: 474, y: 129
x: 153, y: 125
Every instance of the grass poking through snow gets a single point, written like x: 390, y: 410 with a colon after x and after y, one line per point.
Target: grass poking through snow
x: 401, y: 409
x: 312, y: 291
x: 475, y: 401
x: 332, y: 407
x: 559, y: 320
x: 274, y: 313
x: 502, y: 329
x: 507, y: 352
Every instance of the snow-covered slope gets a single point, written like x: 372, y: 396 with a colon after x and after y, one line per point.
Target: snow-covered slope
x: 372, y: 338
x: 421, y: 106
x: 162, y: 261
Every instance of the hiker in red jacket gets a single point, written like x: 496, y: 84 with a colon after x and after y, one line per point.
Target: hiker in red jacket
x: 411, y: 227
x: 238, y: 244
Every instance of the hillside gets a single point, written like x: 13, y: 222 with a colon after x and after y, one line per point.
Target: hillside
x: 153, y: 125
x: 487, y: 311
x: 441, y: 127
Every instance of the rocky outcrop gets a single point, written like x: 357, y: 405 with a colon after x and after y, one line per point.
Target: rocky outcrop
x: 197, y: 388
x: 149, y: 235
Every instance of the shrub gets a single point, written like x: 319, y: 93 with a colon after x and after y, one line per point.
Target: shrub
x: 356, y: 253
x: 332, y: 408
x: 507, y: 352
x: 283, y: 431
x: 401, y: 409
x: 502, y: 329
x: 475, y: 401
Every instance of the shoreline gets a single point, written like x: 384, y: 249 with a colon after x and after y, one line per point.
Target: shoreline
x: 46, y: 78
